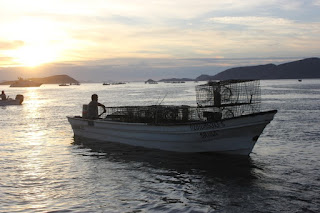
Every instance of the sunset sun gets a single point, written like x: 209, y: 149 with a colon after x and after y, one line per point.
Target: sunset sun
x: 34, y: 56
x: 36, y: 41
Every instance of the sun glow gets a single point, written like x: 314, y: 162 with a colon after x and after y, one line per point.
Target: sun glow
x: 34, y: 56
x: 41, y: 41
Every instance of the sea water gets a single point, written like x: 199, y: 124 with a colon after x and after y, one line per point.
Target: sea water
x: 44, y: 169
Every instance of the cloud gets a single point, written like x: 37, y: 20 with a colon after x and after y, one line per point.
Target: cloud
x: 155, y: 11
x: 271, y: 34
x: 5, y: 46
x: 8, y: 45
x: 316, y: 2
x: 5, y: 61
x: 252, y: 21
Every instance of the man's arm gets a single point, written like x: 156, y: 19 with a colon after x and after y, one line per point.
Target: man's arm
x: 103, y: 106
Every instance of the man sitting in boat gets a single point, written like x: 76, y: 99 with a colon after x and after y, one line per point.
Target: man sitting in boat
x: 93, y: 107
x: 3, y: 96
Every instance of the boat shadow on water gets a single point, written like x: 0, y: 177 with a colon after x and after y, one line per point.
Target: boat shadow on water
x: 208, y: 164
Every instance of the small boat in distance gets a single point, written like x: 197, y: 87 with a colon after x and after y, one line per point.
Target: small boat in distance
x: 175, y: 82
x: 113, y: 83
x: 25, y: 83
x: 227, y: 119
x: 118, y: 83
x: 63, y: 85
x: 9, y: 101
x: 150, y: 81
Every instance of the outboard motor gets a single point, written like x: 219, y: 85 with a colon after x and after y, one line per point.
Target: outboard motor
x: 20, y: 98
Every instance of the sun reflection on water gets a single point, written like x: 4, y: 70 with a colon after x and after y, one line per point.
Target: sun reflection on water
x: 32, y: 117
x: 33, y: 102
x: 36, y: 149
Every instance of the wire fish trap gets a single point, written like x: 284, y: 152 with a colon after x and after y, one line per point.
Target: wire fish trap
x: 230, y: 98
x: 153, y: 114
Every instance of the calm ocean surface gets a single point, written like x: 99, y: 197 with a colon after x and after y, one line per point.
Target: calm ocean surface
x: 43, y: 169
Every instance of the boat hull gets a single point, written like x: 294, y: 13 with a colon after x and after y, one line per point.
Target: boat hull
x: 10, y: 102
x: 25, y: 83
x: 231, y: 136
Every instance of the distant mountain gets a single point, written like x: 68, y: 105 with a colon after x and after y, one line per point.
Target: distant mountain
x: 306, y: 68
x: 56, y: 79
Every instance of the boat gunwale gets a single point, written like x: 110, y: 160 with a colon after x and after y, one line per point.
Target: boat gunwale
x: 171, y: 124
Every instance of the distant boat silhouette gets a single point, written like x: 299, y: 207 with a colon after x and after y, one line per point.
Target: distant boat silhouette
x: 17, y: 101
x: 63, y: 84
x: 150, y: 81
x: 25, y: 83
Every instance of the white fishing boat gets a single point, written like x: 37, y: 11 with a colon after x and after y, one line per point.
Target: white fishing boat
x: 227, y: 119
x: 17, y: 101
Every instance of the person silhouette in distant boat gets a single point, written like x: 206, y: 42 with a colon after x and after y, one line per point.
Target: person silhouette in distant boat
x: 3, y: 96
x: 93, y: 107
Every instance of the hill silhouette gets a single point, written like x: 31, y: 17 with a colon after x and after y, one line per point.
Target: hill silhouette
x: 56, y: 79
x: 301, y: 69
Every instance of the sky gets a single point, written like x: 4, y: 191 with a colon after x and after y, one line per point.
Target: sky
x: 102, y: 40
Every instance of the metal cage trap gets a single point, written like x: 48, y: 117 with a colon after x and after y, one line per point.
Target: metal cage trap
x: 230, y: 98
x: 153, y: 114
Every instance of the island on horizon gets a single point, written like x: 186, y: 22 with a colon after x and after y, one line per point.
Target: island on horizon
x: 55, y: 79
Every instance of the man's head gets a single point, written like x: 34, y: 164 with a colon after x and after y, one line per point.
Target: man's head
x: 94, y: 97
